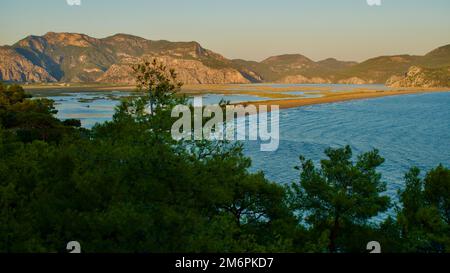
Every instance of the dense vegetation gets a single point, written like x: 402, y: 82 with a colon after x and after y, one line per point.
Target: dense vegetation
x: 127, y: 186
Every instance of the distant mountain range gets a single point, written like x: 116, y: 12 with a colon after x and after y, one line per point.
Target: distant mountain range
x: 72, y: 57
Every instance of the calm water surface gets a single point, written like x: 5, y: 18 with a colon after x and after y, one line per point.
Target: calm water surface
x: 409, y: 130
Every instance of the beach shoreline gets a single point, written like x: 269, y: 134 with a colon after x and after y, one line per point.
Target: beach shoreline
x: 278, y: 95
x: 340, y: 97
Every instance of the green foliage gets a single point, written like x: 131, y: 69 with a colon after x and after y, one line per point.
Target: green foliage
x: 30, y: 119
x: 424, y: 219
x: 127, y: 186
x: 160, y: 83
x: 340, y: 196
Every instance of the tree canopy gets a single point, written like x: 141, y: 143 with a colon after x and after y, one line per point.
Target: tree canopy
x: 127, y: 186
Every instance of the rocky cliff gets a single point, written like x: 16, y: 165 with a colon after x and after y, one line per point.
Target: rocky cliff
x: 15, y: 67
x: 422, y: 77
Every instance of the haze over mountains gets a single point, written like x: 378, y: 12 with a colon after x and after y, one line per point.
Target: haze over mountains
x: 71, y: 57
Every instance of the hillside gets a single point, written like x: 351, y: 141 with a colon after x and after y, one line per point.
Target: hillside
x: 14, y: 66
x: 439, y: 57
x: 73, y: 57
x: 422, y: 77
x: 380, y: 69
x: 70, y: 57
x: 295, y: 68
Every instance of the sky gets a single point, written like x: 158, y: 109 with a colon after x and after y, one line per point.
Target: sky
x: 246, y: 29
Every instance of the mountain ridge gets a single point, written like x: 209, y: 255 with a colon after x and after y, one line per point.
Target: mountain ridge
x: 77, y: 57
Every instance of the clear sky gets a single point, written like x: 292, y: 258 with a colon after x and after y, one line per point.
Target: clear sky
x: 248, y: 29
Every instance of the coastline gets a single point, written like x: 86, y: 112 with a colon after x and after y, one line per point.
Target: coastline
x: 341, y: 97
x: 278, y: 95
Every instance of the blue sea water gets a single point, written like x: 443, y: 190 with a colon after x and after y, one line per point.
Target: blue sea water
x: 409, y: 130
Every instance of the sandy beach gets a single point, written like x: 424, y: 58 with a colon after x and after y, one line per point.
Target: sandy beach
x: 340, y: 97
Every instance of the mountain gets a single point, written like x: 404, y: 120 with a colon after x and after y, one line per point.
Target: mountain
x: 380, y: 69
x: 422, y: 77
x: 439, y: 57
x: 300, y: 69
x: 73, y: 57
x: 14, y: 66
x: 294, y: 68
